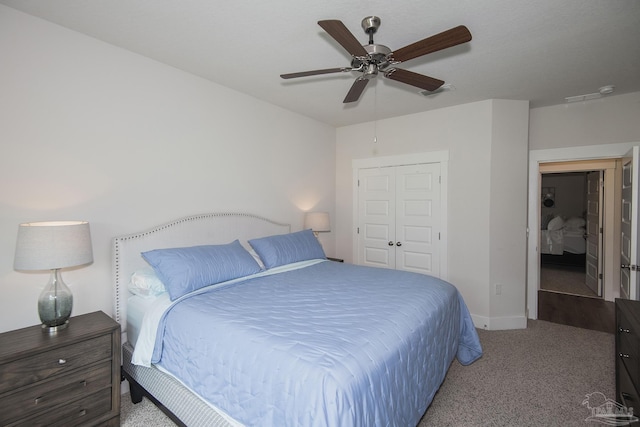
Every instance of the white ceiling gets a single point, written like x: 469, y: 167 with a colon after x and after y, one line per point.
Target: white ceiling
x: 541, y: 51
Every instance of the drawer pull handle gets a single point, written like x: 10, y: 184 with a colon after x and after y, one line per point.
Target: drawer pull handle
x: 62, y: 361
x: 38, y: 399
x: 624, y: 356
x: 82, y: 413
x: 626, y: 396
x: 626, y: 331
x: 83, y: 383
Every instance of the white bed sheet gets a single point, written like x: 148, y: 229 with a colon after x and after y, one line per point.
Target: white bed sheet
x: 551, y: 242
x: 574, y: 242
x: 137, y: 307
x: 557, y: 242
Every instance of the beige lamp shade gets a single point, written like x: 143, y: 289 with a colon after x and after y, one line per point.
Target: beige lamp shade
x: 52, y: 245
x: 317, y: 221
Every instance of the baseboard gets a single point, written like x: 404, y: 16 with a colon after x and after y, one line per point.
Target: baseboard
x: 499, y: 323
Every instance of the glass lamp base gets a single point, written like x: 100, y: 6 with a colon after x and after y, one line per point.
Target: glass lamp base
x: 54, y: 329
x: 55, y: 304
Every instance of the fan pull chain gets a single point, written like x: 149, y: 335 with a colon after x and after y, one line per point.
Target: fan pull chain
x: 375, y: 113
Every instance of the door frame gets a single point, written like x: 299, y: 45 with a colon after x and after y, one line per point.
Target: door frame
x: 592, y: 152
x: 441, y: 157
x: 631, y: 258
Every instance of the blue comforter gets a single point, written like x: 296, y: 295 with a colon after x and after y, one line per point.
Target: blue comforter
x: 330, y: 344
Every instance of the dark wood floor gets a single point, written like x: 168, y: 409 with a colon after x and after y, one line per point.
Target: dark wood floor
x: 574, y: 310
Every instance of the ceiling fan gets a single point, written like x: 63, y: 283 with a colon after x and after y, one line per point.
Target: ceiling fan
x: 373, y: 58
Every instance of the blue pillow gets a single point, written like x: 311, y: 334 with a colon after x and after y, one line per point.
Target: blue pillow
x: 287, y: 248
x: 183, y: 270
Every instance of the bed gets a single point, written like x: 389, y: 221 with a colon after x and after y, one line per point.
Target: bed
x: 297, y: 340
x: 563, y: 241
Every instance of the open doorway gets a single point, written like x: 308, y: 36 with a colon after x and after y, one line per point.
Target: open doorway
x: 571, y: 233
x: 575, y: 269
x: 611, y: 153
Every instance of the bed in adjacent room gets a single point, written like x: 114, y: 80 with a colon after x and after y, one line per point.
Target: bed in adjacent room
x: 232, y: 319
x: 563, y: 241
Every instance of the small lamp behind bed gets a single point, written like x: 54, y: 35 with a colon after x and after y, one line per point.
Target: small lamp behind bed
x: 51, y: 246
x: 317, y: 222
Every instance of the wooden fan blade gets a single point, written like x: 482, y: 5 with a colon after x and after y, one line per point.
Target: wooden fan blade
x: 413, y: 79
x: 443, y: 40
x: 356, y: 90
x: 315, y: 72
x: 342, y: 35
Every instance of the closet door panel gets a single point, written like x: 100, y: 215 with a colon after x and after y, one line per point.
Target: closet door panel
x: 376, y: 204
x: 418, y: 218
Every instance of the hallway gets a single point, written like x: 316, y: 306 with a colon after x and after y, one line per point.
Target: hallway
x: 566, y: 279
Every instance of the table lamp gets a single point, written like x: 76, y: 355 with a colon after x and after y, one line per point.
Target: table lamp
x: 317, y: 222
x: 53, y: 245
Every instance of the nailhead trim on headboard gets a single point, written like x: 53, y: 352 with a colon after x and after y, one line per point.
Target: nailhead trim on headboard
x: 118, y: 241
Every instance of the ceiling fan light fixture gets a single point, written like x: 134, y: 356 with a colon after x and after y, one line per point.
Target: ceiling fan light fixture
x: 371, y: 71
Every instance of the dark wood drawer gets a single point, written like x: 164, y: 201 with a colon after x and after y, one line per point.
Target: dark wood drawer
x: 627, y: 393
x: 48, y: 394
x: 628, y: 344
x: 628, y: 353
x: 50, y: 363
x: 73, y: 414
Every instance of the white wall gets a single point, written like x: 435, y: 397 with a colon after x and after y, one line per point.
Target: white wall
x: 570, y: 194
x: 608, y: 120
x: 468, y: 132
x: 508, y: 214
x: 93, y: 132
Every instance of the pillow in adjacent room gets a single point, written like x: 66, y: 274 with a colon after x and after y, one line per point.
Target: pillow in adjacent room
x: 575, y: 223
x: 184, y: 270
x: 284, y: 249
x: 555, y: 224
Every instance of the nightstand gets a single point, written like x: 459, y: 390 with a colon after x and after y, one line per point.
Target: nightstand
x: 628, y: 353
x: 70, y: 378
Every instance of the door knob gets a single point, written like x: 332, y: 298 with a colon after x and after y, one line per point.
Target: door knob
x: 390, y: 243
x: 399, y: 244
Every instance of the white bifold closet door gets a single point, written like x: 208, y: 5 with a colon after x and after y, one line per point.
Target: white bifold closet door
x: 399, y: 216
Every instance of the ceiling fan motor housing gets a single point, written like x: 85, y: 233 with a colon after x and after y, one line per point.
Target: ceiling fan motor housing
x: 377, y: 55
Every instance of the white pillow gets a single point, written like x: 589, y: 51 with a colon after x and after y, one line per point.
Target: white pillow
x: 145, y: 283
x: 254, y: 254
x: 575, y: 223
x: 555, y: 224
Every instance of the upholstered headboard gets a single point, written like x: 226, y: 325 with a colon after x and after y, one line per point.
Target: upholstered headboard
x: 205, y: 229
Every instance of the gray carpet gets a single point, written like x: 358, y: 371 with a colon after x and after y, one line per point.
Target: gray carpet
x: 568, y: 280
x: 537, y: 376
